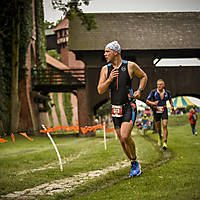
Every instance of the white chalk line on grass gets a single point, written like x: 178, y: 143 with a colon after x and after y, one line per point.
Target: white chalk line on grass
x: 52, y: 165
x: 64, y: 185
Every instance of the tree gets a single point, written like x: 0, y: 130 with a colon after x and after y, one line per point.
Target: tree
x: 72, y: 9
x: 104, y: 109
x: 40, y: 35
x: 15, y: 35
x: 18, y: 27
x: 15, y: 104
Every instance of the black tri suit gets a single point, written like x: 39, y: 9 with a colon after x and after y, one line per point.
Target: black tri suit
x: 123, y: 104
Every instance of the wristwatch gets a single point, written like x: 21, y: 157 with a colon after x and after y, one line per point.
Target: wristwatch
x: 140, y: 89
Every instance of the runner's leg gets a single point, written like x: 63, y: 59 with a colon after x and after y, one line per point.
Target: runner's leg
x: 158, y: 127
x: 124, y: 135
x: 122, y: 143
x: 126, y: 139
x: 193, y: 129
x: 165, y: 131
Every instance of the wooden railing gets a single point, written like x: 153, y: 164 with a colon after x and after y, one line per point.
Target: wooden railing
x: 58, y: 80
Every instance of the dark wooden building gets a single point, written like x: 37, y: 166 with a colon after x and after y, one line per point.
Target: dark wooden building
x: 143, y: 38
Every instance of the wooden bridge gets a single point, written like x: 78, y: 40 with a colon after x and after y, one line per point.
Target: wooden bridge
x: 58, y: 80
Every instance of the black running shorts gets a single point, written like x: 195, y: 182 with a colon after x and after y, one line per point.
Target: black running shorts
x: 159, y: 116
x: 129, y: 112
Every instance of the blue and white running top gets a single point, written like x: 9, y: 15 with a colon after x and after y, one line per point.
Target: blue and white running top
x: 155, y: 95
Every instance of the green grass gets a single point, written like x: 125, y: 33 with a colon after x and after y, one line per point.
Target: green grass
x: 174, y: 174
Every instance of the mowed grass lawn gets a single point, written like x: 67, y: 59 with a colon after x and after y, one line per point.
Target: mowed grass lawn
x: 174, y: 174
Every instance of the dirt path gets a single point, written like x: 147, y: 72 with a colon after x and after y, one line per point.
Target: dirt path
x: 63, y: 185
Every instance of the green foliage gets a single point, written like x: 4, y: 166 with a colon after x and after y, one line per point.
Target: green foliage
x: 4, y: 96
x: 88, y: 20
x: 48, y: 25
x: 25, y: 34
x: 54, y: 54
x: 6, y: 49
x: 55, y: 100
x: 6, y: 31
x: 105, y: 109
x: 40, y: 34
x: 72, y: 9
x: 6, y: 54
x: 50, y: 117
x: 68, y: 107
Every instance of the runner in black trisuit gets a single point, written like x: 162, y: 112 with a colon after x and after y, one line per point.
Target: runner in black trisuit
x: 122, y: 95
x: 117, y: 76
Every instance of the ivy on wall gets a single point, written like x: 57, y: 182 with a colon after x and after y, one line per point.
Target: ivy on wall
x: 25, y: 33
x: 40, y: 32
x: 68, y: 107
x: 55, y: 99
x: 5, y: 64
x: 54, y: 54
x: 6, y: 55
x: 50, y: 118
x: 4, y: 95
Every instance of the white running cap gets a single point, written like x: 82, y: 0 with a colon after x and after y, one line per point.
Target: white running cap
x: 114, y: 46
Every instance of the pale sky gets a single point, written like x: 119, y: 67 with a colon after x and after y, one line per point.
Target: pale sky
x: 127, y: 6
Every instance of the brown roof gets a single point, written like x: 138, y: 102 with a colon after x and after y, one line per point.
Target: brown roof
x: 138, y: 31
x: 62, y: 25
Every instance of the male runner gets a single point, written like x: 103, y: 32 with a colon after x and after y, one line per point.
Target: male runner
x: 157, y: 99
x: 117, y: 76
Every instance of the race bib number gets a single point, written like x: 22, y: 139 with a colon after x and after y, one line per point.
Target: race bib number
x: 159, y: 109
x: 117, y: 111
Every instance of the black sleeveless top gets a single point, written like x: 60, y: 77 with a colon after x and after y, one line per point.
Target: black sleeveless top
x: 120, y: 88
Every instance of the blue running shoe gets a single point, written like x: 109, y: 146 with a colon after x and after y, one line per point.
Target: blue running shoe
x: 135, y: 169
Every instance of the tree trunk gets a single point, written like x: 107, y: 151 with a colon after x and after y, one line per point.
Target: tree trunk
x: 15, y: 104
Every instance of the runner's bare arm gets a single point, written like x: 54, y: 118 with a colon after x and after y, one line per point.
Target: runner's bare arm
x: 104, y: 82
x: 152, y: 103
x: 133, y: 68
